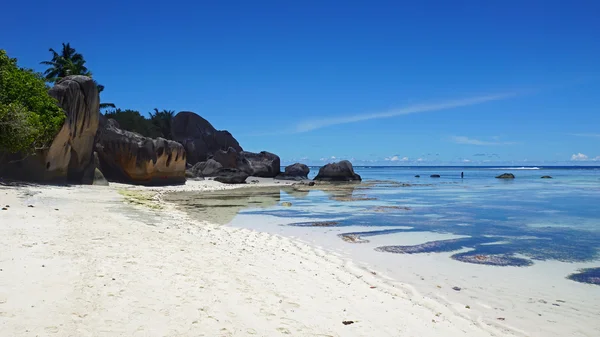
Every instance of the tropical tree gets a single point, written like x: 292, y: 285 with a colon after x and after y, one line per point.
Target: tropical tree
x: 69, y: 62
x: 161, y: 120
x: 103, y: 105
x: 29, y: 116
x: 132, y: 120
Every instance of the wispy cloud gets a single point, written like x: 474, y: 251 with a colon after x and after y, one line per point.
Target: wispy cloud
x: 324, y: 122
x: 472, y: 141
x: 589, y: 135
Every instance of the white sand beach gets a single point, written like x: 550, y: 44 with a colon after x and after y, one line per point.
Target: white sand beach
x: 85, y: 261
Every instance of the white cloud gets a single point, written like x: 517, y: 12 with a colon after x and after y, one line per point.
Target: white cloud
x: 579, y: 157
x: 466, y: 161
x: 420, y: 159
x: 396, y: 158
x: 472, y: 141
x: 324, y: 122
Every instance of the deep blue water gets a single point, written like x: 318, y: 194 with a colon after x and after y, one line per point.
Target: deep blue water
x: 505, y: 222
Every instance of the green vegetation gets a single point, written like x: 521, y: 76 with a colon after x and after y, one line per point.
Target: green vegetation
x: 29, y: 117
x: 161, y: 120
x: 158, y: 125
x: 69, y: 62
x: 132, y: 120
x: 140, y: 198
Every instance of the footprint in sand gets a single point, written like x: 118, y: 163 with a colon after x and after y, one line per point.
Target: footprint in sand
x: 51, y: 329
x: 284, y: 331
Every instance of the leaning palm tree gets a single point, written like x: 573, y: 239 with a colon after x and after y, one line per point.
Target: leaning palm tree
x: 69, y: 62
x: 103, y: 105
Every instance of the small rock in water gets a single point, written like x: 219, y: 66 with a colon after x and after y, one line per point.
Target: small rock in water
x: 7, y: 206
x: 456, y: 288
x: 4, y: 209
x: 286, y: 204
x: 435, y: 176
x: 506, y: 176
x: 30, y: 206
x: 312, y: 183
x: 468, y: 307
x: 546, y: 177
x: 417, y: 176
x: 501, y: 318
x: 347, y: 322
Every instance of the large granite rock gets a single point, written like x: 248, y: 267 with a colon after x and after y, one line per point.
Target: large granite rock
x: 341, y: 171
x: 199, y: 138
x: 228, y: 159
x: 231, y: 176
x: 131, y: 158
x: 294, y: 172
x: 69, y: 156
x: 208, y: 168
x: 263, y: 164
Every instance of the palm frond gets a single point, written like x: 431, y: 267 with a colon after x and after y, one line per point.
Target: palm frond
x: 107, y: 105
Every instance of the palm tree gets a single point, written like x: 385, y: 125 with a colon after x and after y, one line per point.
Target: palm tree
x: 104, y: 105
x: 69, y: 62
x: 161, y: 120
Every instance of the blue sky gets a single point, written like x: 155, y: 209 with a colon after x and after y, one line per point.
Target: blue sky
x: 419, y: 82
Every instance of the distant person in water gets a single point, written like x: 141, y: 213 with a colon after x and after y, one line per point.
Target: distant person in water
x: 462, y: 175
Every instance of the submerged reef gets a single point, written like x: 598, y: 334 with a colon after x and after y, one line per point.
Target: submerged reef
x: 356, y: 237
x: 588, y: 275
x: 352, y: 238
x: 315, y: 224
x: 384, y: 209
x: 492, y: 260
x: 435, y: 246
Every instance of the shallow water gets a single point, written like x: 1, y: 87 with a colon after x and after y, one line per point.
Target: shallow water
x: 539, y: 219
x: 500, y: 222
x: 519, y: 249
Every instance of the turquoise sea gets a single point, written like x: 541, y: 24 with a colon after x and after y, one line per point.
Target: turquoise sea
x: 525, y: 250
x: 502, y: 222
x: 477, y: 219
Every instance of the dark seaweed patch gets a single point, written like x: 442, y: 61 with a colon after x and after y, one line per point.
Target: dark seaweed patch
x: 356, y: 237
x: 315, y: 224
x: 492, y: 260
x: 436, y: 246
x: 588, y: 275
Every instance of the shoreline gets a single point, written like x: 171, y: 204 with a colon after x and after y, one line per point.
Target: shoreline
x: 99, y: 266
